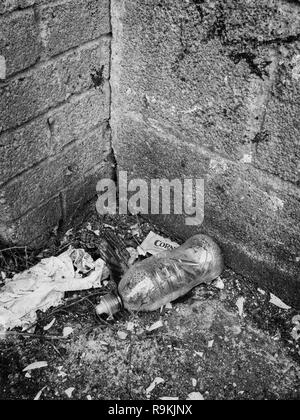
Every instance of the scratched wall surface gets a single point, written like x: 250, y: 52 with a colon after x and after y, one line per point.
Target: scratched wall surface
x: 54, y: 112
x: 211, y: 88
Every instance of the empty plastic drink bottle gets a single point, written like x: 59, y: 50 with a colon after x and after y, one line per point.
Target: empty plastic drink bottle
x: 158, y: 280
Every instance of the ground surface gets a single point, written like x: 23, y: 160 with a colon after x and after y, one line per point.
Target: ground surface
x: 203, y: 346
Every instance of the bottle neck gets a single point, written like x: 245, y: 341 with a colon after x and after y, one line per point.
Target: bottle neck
x: 109, y: 304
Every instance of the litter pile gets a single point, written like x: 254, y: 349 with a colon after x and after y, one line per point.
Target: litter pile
x: 44, y: 285
x: 224, y: 340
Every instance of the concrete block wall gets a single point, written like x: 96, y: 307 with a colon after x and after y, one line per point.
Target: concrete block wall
x: 211, y: 89
x: 197, y: 88
x: 55, y: 140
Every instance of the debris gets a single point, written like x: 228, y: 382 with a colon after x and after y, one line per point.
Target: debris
x: 122, y: 335
x: 247, y: 158
x: 67, y: 236
x: 195, y: 396
x: 296, y: 330
x: 134, y: 255
x: 240, y: 304
x: 89, y: 398
x: 136, y: 230
x: 194, y: 382
x: 155, y: 244
x: 130, y: 326
x: 157, y: 381
x: 50, y: 325
x: 178, y: 349
x: 219, y: 284
x: 296, y: 333
x: 27, y: 334
x: 234, y: 329
x: 35, y: 365
x: 67, y: 331
x: 2, y: 68
x: 39, y: 394
x: 62, y: 374
x: 261, y: 291
x: 210, y: 344
x: 155, y: 281
x: 82, y: 261
x: 155, y: 326
x: 296, y: 320
x: 109, y: 226
x: 278, y: 302
x: 141, y: 251
x: 277, y: 336
x: 199, y: 353
x: 169, y: 306
x: 28, y: 375
x: 42, y: 287
x: 69, y: 392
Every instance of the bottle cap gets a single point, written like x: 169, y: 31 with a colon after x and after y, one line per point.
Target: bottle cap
x: 109, y: 304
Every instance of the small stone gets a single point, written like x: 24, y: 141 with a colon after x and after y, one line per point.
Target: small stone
x: 2, y: 68
x: 69, y: 392
x: 195, y: 396
x: 122, y: 335
x: 211, y: 343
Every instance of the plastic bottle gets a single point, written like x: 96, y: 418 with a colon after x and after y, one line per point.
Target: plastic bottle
x: 158, y: 280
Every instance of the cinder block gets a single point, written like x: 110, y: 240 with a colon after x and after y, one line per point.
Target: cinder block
x: 70, y: 122
x: 54, y: 137
x: 10, y: 5
x: 24, y: 147
x: 78, y: 195
x: 48, y: 179
x: 278, y: 145
x: 50, y: 84
x: 19, y: 41
x: 71, y: 23
x: 34, y: 227
x: 207, y: 76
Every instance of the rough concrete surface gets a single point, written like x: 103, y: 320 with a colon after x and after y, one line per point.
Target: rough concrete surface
x: 210, y: 89
x: 55, y: 110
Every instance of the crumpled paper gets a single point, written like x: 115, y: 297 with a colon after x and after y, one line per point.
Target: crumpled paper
x: 43, y: 286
